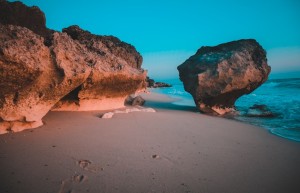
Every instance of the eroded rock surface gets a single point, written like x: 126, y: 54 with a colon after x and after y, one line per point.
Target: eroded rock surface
x: 107, y: 45
x: 33, y: 77
x: 116, y: 73
x: 217, y: 76
x: 42, y: 70
x: 16, y: 13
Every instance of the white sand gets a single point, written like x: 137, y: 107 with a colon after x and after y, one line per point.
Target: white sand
x: 173, y: 150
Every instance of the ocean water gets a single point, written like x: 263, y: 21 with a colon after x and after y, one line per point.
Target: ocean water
x: 281, y: 97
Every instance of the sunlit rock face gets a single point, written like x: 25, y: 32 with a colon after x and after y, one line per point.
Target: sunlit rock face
x: 116, y: 72
x: 217, y: 76
x: 34, y: 77
x: 42, y: 70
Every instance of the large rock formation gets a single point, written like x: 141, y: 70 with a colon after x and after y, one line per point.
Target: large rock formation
x: 34, y: 77
x: 16, y: 13
x: 116, y: 72
x: 217, y: 76
x: 66, y: 72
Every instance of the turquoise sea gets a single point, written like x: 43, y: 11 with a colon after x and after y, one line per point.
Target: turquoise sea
x: 281, y: 97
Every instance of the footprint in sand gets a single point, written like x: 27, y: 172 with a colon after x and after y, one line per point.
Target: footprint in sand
x: 70, y: 184
x: 164, y: 158
x: 79, y: 178
x: 87, y: 165
x: 84, y: 163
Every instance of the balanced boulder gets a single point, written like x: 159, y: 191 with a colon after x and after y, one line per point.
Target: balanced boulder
x: 217, y: 76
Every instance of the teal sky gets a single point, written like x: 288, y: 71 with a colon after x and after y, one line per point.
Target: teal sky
x: 167, y: 32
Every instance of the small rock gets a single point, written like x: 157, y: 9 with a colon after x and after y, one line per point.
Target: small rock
x: 134, y: 101
x: 138, y: 101
x: 128, y: 100
x: 108, y: 115
x: 134, y: 110
x: 148, y: 110
x: 259, y: 111
x: 119, y: 111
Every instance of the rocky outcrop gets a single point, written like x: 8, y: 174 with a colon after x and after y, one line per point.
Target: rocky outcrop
x: 152, y: 84
x: 33, y: 77
x: 217, y: 76
x: 67, y: 73
x: 161, y: 85
x: 16, y: 13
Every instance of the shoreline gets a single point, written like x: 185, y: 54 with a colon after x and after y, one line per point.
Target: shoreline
x: 175, y: 149
x: 176, y: 101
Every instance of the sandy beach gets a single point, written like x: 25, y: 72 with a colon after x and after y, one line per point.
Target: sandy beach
x: 219, y: 84
x: 175, y: 149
